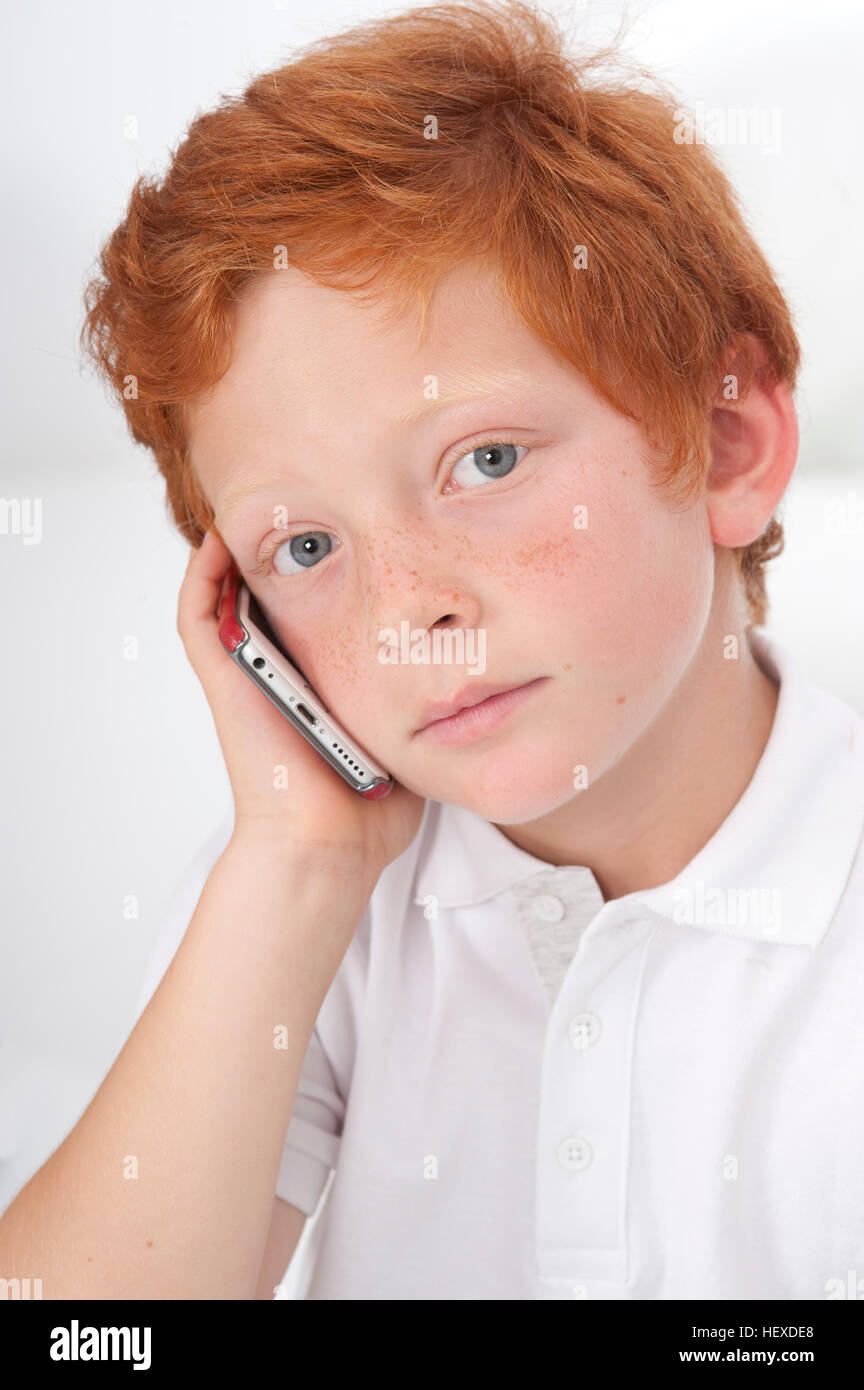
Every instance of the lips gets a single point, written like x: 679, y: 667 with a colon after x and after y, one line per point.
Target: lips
x: 475, y: 722
x: 471, y: 695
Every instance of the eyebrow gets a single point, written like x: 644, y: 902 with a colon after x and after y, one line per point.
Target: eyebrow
x: 467, y: 387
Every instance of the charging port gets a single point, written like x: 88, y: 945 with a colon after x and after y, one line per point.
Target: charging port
x: 307, y: 714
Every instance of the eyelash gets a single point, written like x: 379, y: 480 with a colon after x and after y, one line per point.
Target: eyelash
x: 263, y: 569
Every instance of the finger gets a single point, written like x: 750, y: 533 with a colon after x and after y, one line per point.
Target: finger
x: 211, y: 558
x: 200, y: 588
x: 201, y: 584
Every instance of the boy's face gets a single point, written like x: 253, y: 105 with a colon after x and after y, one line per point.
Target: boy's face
x: 609, y: 612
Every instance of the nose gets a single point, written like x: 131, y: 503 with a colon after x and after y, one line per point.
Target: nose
x: 438, y: 608
x: 417, y: 593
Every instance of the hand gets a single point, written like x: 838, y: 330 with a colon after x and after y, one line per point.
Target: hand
x: 315, y: 813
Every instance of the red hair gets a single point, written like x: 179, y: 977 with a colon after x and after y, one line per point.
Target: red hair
x: 534, y: 154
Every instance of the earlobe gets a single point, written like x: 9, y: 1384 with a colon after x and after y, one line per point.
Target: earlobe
x: 753, y: 450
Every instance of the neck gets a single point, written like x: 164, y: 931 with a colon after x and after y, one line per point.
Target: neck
x: 643, y: 822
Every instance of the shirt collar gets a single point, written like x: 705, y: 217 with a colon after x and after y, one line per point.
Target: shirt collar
x: 790, y: 839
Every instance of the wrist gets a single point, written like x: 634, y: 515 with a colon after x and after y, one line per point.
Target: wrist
x: 274, y: 849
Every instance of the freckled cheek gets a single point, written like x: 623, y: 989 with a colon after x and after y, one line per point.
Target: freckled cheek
x: 533, y: 550
x: 326, y: 648
x: 631, y: 582
x: 552, y: 571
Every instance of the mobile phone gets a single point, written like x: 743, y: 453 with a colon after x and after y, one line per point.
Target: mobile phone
x: 248, y: 638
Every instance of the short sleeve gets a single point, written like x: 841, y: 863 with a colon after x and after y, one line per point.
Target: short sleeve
x: 313, y: 1133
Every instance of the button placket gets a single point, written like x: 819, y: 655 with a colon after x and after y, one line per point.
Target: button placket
x: 583, y: 1133
x: 575, y: 1153
x: 584, y: 1029
x: 554, y: 907
x: 548, y: 908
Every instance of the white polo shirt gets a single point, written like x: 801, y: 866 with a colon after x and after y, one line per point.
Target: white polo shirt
x: 529, y: 1093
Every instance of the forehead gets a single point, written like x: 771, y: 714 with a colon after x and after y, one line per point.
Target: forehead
x: 312, y: 364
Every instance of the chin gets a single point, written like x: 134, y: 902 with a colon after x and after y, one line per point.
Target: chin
x: 517, y: 808
x: 507, y: 790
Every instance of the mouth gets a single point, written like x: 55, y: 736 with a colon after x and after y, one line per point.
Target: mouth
x: 482, y: 717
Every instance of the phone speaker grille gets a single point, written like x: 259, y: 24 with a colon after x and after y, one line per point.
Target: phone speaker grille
x: 347, y: 756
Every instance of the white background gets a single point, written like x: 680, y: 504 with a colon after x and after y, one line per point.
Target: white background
x: 111, y: 768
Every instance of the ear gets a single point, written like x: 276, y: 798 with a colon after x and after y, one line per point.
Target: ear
x: 753, y: 450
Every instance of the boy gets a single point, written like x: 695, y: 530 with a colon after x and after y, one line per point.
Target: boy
x: 429, y: 328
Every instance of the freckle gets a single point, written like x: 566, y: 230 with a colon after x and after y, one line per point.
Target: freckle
x: 621, y: 699
x: 568, y: 666
x: 149, y: 1244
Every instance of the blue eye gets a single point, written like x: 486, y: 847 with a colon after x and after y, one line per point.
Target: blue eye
x: 488, y: 460
x: 494, y: 460
x: 303, y: 551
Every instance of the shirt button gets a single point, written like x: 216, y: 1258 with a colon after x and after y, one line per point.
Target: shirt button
x: 548, y: 908
x: 584, y: 1030
x: 575, y: 1153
